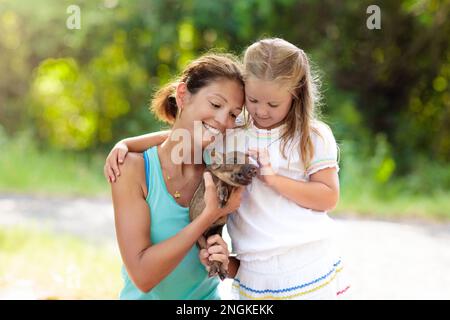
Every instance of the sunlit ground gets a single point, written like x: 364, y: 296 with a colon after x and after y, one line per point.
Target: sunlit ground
x: 36, y: 264
x: 40, y: 265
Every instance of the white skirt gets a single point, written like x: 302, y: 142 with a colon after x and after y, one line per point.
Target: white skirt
x: 310, y: 271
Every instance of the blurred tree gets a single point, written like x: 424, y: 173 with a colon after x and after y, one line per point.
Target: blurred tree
x: 81, y: 89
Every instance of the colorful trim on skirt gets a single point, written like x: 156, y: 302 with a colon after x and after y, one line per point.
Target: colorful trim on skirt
x: 318, y: 279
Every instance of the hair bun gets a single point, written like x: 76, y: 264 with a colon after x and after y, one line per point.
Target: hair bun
x: 172, y: 109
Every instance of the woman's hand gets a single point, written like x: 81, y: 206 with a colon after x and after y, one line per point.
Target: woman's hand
x: 115, y: 157
x: 217, y: 250
x: 266, y: 171
x: 212, y: 201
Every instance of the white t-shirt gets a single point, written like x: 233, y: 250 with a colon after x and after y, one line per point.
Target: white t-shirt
x: 266, y: 222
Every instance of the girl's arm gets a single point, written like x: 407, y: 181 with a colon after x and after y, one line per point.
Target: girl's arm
x: 145, y: 141
x: 133, y: 144
x: 147, y: 263
x: 320, y: 193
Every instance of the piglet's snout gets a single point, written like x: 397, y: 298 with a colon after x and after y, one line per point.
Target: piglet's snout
x: 249, y: 171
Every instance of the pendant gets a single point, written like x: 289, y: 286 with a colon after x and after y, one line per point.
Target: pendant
x: 177, y: 195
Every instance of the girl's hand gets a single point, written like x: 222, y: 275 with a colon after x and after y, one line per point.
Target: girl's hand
x: 115, y: 157
x: 217, y: 250
x: 266, y: 171
x: 212, y: 201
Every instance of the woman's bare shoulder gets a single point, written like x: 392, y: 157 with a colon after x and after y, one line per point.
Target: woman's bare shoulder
x: 132, y: 170
x: 133, y: 162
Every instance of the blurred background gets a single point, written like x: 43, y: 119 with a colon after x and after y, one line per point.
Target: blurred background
x: 67, y: 95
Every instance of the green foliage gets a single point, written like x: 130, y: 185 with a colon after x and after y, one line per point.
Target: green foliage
x: 123, y: 51
x: 386, y: 91
x: 64, y: 108
x: 26, y: 168
x: 372, y: 185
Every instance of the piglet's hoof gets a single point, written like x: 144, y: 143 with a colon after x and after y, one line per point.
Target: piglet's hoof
x: 216, y: 269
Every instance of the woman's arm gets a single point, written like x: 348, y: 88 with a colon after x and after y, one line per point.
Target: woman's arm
x: 147, y: 263
x: 217, y: 250
x: 134, y: 144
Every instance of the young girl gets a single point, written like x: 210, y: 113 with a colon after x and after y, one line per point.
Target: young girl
x: 282, y: 235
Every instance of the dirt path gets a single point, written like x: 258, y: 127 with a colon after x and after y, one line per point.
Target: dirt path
x: 385, y: 260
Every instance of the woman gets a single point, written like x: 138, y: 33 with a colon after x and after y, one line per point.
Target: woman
x: 151, y: 197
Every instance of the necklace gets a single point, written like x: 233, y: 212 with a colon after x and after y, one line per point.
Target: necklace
x: 177, y: 193
x: 184, y: 182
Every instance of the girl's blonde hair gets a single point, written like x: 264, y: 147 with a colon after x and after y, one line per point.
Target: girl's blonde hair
x: 280, y: 61
x: 198, y: 74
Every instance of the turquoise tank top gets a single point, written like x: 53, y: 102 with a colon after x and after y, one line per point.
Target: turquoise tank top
x: 189, y: 280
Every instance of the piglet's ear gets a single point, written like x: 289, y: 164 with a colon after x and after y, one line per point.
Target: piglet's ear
x: 253, y: 161
x: 214, y: 166
x: 214, y: 160
x: 211, y: 156
x: 222, y: 193
x: 217, y: 158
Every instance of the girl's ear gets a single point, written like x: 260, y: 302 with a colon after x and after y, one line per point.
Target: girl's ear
x: 181, y: 94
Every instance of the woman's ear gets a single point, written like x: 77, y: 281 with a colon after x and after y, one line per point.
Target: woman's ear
x: 181, y: 94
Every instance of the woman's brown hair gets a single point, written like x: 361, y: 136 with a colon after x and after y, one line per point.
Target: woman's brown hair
x: 198, y: 74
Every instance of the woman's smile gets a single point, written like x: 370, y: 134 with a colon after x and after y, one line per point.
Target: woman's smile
x: 212, y: 130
